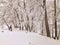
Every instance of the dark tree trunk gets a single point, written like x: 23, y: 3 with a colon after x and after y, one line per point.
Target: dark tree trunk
x: 46, y: 20
x: 55, y: 19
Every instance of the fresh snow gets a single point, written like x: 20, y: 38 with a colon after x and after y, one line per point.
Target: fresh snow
x: 25, y: 38
x: 13, y: 38
x: 36, y: 39
x: 18, y: 37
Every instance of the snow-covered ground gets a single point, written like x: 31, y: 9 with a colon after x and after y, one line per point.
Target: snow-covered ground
x: 25, y: 38
x: 13, y: 38
x: 18, y: 37
x: 36, y: 39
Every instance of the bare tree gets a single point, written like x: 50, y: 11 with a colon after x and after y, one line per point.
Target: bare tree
x: 46, y: 20
x: 9, y: 26
x: 55, y: 19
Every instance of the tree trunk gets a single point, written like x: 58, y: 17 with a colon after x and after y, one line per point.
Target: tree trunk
x: 46, y: 20
x: 55, y: 19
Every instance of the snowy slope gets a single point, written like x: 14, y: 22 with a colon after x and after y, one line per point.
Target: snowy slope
x: 24, y: 38
x: 36, y: 39
x: 13, y: 38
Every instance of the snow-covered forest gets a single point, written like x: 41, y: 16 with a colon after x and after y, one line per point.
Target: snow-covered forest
x: 39, y: 16
x: 29, y: 22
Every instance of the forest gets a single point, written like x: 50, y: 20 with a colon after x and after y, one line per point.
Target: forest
x: 39, y: 16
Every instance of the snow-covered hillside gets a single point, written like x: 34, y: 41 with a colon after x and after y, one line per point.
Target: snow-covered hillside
x: 13, y: 38
x: 36, y: 39
x: 24, y: 38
